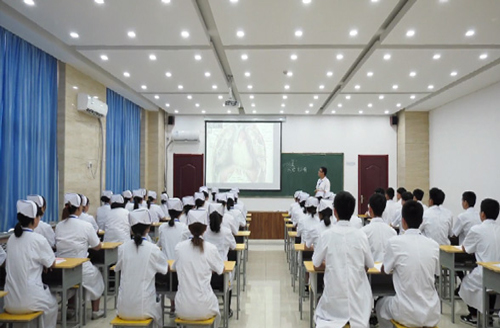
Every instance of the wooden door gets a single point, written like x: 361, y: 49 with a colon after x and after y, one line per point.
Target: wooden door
x: 188, y: 174
x: 373, y: 173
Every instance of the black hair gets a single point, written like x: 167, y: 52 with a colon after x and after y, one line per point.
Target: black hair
x: 230, y: 204
x: 470, y: 198
x: 174, y: 214
x: 163, y: 201
x: 344, y: 204
x: 490, y: 208
x: 68, y: 210
x: 418, y: 194
x: 126, y: 200
x: 326, y: 216
x: 44, y: 206
x: 150, y: 200
x: 138, y: 231
x: 406, y: 196
x: 380, y: 191
x: 377, y: 204
x: 39, y: 211
x: 311, y: 210
x: 117, y: 205
x: 215, y: 221
x: 199, y: 203
x: 437, y: 196
x: 137, y: 201
x: 187, y: 208
x: 390, y: 193
x: 205, y: 193
x: 197, y: 229
x: 401, y: 190
x: 324, y: 169
x: 412, y: 213
x: 24, y: 221
x: 213, y: 196
x: 105, y: 199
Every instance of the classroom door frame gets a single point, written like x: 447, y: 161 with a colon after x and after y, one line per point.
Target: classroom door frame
x: 364, y: 158
x: 194, y: 161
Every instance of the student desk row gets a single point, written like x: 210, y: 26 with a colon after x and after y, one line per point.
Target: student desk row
x: 244, y: 236
x: 491, y: 281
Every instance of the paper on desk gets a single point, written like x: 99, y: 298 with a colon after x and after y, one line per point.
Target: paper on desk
x: 378, y: 266
x: 60, y: 260
x: 458, y: 247
x: 497, y: 265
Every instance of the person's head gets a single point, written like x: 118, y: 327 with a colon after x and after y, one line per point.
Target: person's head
x: 380, y: 191
x: 140, y: 221
x: 322, y: 172
x: 468, y: 199
x: 106, y: 196
x: 151, y: 198
x: 40, y: 204
x: 489, y: 209
x: 199, y: 199
x: 406, y: 196
x: 400, y: 190
x: 311, y: 205
x: 72, y: 205
x: 214, y: 191
x: 175, y: 208
x: 302, y: 199
x: 436, y: 197
x: 325, y: 210
x: 215, y: 221
x: 197, y: 223
x: 117, y: 201
x: 204, y: 190
x: 389, y: 193
x: 221, y: 198
x: 27, y: 216
x: 85, y: 203
x: 164, y: 198
x: 296, y: 195
x: 412, y: 213
x: 344, y: 204
x: 418, y: 194
x: 188, y: 203
x: 230, y: 202
x: 138, y: 198
x: 127, y: 196
x: 377, y: 205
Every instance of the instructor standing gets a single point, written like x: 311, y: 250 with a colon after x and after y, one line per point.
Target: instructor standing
x: 323, y: 182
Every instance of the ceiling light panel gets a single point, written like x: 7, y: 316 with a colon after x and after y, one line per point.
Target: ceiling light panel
x: 207, y: 102
x: 295, y: 104
x: 278, y: 26
x: 60, y: 17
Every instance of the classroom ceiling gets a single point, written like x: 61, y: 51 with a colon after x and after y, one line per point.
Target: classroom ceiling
x: 282, y: 57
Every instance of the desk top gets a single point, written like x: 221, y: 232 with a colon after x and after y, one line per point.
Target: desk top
x: 287, y: 220
x: 108, y: 245
x: 310, y: 268
x: 249, y: 219
x: 292, y: 234
x: 284, y: 214
x: 228, y: 266
x: 451, y: 249
x: 3, y: 293
x: 493, y: 266
x: 243, y: 234
x: 71, y: 263
x: 240, y: 247
x: 157, y: 224
x: 299, y: 247
x: 362, y: 216
x: 289, y: 225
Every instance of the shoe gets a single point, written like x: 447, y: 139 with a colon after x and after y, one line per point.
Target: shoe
x: 230, y: 314
x: 172, y: 314
x: 468, y: 319
x: 70, y: 313
x: 97, y: 314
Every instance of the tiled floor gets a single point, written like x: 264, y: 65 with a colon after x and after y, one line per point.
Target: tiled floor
x: 269, y: 300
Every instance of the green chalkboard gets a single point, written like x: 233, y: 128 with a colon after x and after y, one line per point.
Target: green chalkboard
x: 300, y: 171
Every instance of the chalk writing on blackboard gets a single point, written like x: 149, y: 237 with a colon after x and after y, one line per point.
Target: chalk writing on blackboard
x: 291, y: 168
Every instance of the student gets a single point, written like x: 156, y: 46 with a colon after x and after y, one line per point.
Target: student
x: 303, y: 196
x: 295, y: 205
x: 189, y: 204
x: 214, y: 191
x: 206, y: 194
x: 28, y: 255
x: 466, y: 220
x: 199, y: 200
x: 85, y: 216
x: 164, y: 205
x: 228, y: 220
x: 308, y: 221
x: 344, y: 250
x: 127, y: 196
x: 73, y: 239
x: 484, y: 241
x: 418, y: 195
x: 391, y: 207
x: 239, y: 219
x: 413, y: 260
x: 378, y: 232
x: 400, y: 192
x: 396, y: 220
x: 195, y: 260
x: 437, y: 222
x: 325, y: 214
x: 175, y: 231
x: 139, y: 261
x: 323, y: 183
x: 117, y: 226
x: 238, y: 204
x: 43, y: 228
x: 137, y: 201
x: 329, y: 196
x: 103, y: 210
x: 154, y: 209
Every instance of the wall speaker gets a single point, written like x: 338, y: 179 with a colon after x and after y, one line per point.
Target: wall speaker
x: 171, y: 120
x: 394, y: 120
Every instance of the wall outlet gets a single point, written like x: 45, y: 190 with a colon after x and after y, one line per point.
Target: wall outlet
x: 89, y: 165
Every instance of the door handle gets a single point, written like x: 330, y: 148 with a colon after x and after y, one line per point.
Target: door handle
x: 362, y: 199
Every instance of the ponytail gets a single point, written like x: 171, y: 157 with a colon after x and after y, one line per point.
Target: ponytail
x: 24, y: 221
x: 139, y: 231
x: 197, y: 229
x: 150, y: 199
x: 67, y: 211
x: 199, y: 203
x: 311, y: 210
x: 215, y: 221
x: 230, y: 204
x: 137, y: 200
x: 187, y: 208
x: 174, y: 214
x: 213, y: 197
x: 326, y: 216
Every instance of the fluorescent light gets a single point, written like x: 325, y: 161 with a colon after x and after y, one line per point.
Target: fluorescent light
x: 247, y: 74
x: 330, y: 73
x: 289, y: 73
x: 131, y: 34
x: 214, y: 86
x: 189, y: 97
x: 306, y: 2
x: 220, y: 97
x: 311, y: 105
x: 74, y: 35
x: 157, y: 97
x: 430, y: 87
x: 240, y: 34
x: 29, y: 2
x: 381, y: 97
x: 180, y: 87
x: 386, y: 112
x: 244, y: 57
x: 253, y: 105
x: 165, y: 1
x: 152, y: 57
x: 454, y: 73
x: 104, y: 57
x: 395, y: 86
x: 315, y: 97
x: 197, y: 105
x: 251, y: 96
x: 470, y: 33
x: 298, y: 33
x: 387, y: 56
x: 357, y: 87
x: 282, y: 111
x: 370, y: 105
x: 339, y: 105
x: 413, y: 74
x: 126, y: 74
x: 254, y: 111
x: 176, y: 111
x: 229, y: 111
x: 293, y: 57
x: 436, y: 56
x: 353, y: 32
x: 413, y: 97
x: 483, y: 56
x: 207, y: 74
x: 340, y: 56
x: 321, y: 86
x: 234, y: 1
x: 185, y: 34
x: 197, y: 57
x: 361, y: 112
x: 168, y: 74
x: 287, y: 86
x: 285, y: 97
x: 410, y: 33
x: 369, y: 74
x: 348, y: 97
x: 203, y: 111
x: 250, y: 86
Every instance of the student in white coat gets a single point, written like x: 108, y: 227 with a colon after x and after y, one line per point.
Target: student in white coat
x: 156, y: 212
x: 214, y: 191
x: 299, y: 211
x: 437, y: 222
x: 398, y: 215
x: 378, y: 232
x: 466, y: 220
x: 28, y: 254
x: 43, y: 228
x: 391, y: 207
x: 127, y: 196
x: 103, y: 210
x: 164, y: 205
x: 199, y: 201
x: 308, y: 221
x: 85, y: 216
x: 195, y: 260
x: 137, y: 201
x: 238, y: 216
x: 188, y: 204
x: 325, y: 214
x: 400, y: 192
x: 295, y: 205
x: 418, y: 195
x: 414, y: 262
x: 139, y: 261
x: 345, y: 252
x: 73, y: 239
x: 117, y: 225
x: 238, y: 204
x: 484, y: 241
x: 228, y: 219
x: 206, y: 194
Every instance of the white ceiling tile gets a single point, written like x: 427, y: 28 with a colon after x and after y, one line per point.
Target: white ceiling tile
x: 295, y: 104
x: 210, y: 103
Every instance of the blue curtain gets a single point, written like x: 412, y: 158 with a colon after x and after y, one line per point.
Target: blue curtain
x: 28, y: 127
x: 123, y: 144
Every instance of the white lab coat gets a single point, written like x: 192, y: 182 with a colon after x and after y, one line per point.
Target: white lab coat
x: 423, y: 205
x: 297, y: 214
x: 223, y: 240
x: 307, y: 224
x: 3, y: 255
x: 102, y: 214
x: 183, y: 218
x: 28, y: 255
x: 464, y: 222
x: 164, y: 208
x: 414, y: 260
x: 484, y: 241
x: 241, y: 206
x: 90, y: 219
x: 117, y: 226
x: 323, y: 185
x: 46, y: 230
x: 356, y: 222
x: 73, y: 239
x: 137, y: 293
x: 391, y: 208
x: 378, y: 233
x: 318, y: 230
x: 230, y: 222
x: 156, y: 213
x: 130, y: 205
x: 347, y: 295
x: 294, y: 206
x: 239, y: 218
x: 171, y: 236
x: 195, y: 299
x: 437, y: 225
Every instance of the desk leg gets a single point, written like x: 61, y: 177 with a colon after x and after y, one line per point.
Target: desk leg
x: 244, y: 272
x: 117, y: 286
x: 301, y: 284
x: 64, y: 304
x: 238, y: 286
x: 226, y: 295
x: 311, y: 307
x: 81, y: 304
x: 440, y: 284
x: 452, y: 293
x: 294, y: 261
x: 284, y: 238
x: 105, y: 273
x: 486, y: 307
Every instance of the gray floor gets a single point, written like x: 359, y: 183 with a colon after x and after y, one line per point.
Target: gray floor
x: 269, y: 300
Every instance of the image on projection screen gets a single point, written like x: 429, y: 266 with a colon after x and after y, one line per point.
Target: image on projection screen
x: 246, y: 155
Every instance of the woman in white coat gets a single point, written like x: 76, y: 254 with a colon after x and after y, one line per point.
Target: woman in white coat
x: 189, y: 204
x: 43, y: 228
x: 308, y: 221
x: 102, y: 211
x: 117, y: 226
x: 137, y: 201
x: 139, y: 261
x: 240, y: 220
x: 325, y: 213
x: 85, y: 216
x: 73, y: 239
x: 195, y: 260
x: 28, y: 254
x: 157, y: 214
x: 164, y: 205
x: 228, y: 220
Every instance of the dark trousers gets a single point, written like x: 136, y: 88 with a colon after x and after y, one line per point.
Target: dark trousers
x: 473, y: 311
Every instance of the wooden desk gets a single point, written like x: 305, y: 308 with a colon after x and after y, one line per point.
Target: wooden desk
x: 245, y: 235
x: 291, y: 235
x: 110, y: 257
x: 3, y: 293
x: 299, y: 248
x: 155, y: 229
x: 491, y: 280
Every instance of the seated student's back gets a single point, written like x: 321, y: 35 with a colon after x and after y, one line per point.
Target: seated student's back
x: 117, y: 226
x: 466, y: 220
x: 308, y: 221
x: 437, y: 221
x: 175, y: 231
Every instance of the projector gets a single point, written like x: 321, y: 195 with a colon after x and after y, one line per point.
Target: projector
x: 231, y: 103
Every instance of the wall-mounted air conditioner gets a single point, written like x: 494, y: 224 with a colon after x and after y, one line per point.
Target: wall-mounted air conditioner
x: 91, y: 105
x: 185, y: 136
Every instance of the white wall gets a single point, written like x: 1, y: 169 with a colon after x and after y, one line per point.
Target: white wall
x: 351, y: 135
x: 464, y: 151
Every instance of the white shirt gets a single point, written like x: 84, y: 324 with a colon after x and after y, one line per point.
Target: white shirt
x: 307, y: 224
x: 3, y: 255
x: 195, y: 299
x: 464, y: 222
x: 117, y: 226
x: 423, y: 205
x: 164, y: 208
x: 137, y: 294
x: 183, y: 218
x: 437, y: 225
x: 378, y: 233
x: 356, y: 222
x: 294, y: 206
x: 347, y: 295
x: 391, y: 208
x: 414, y: 260
x: 317, y: 231
x: 156, y: 213
x: 171, y: 236
x: 46, y: 230
x: 483, y: 240
x: 323, y: 185
x: 90, y: 219
x: 241, y: 206
x: 74, y: 237
x: 238, y: 216
x: 297, y: 214
x: 230, y: 222
x: 223, y: 240
x: 102, y: 213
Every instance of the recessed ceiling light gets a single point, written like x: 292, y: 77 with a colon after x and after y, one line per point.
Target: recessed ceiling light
x: 361, y: 112
x: 395, y: 86
x: 126, y: 74
x: 214, y: 86
x: 321, y: 86
x: 207, y: 74
x: 413, y: 97
x: 311, y: 105
x: 283, y: 105
x: 381, y: 97
x: 167, y: 104
x: 244, y: 57
x: 374, y: 0
x: 315, y: 97
x: 157, y: 97
x: 387, y: 56
x: 104, y: 57
x: 180, y: 86
x: 386, y: 112
x: 240, y: 34
x: 253, y: 105
x: 165, y: 1
x: 282, y: 111
x: 203, y: 111
x: 357, y: 87
x: 249, y: 86
x: 131, y: 34
x: 74, y: 35
x: 95, y: 97
x: 247, y: 74
x: 293, y: 57
x: 285, y: 97
x: 220, y: 97
x: 100, y: 2
x: 197, y: 105
x: 430, y: 87
x: 330, y: 73
x: 348, y: 97
x: 353, y: 32
x: 75, y: 87
x: 152, y: 57
x: 369, y: 74
x: 413, y: 74
x: 298, y: 33
x: 176, y: 111
x: 410, y: 33
x: 398, y: 105
x: 454, y: 73
x: 289, y: 73
x: 307, y: 112
x: 340, y: 56
x: 254, y: 111
x: 29, y: 2
x: 333, y: 112
x: 251, y: 97
x: 470, y: 33
x: 339, y: 105
x: 234, y: 1
x: 306, y: 2
x: 189, y: 97
x: 287, y: 86
x: 483, y: 56
x: 436, y: 56
x: 197, y: 57
x: 370, y: 105
x: 168, y: 74
x: 229, y: 111
x: 185, y: 34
